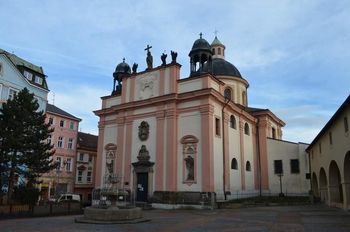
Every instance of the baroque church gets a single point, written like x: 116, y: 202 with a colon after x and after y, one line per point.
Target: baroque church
x: 160, y: 134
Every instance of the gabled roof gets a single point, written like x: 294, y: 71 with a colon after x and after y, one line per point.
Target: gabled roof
x: 19, y: 61
x: 86, y: 140
x: 21, y: 65
x: 55, y: 110
x: 259, y: 111
x: 345, y: 104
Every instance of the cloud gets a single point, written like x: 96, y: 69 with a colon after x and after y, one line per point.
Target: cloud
x: 80, y: 101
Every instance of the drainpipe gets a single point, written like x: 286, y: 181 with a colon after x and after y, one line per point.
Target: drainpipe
x: 227, y: 100
x: 258, y: 153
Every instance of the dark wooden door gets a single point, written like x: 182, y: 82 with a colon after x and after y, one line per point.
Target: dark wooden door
x: 142, y: 187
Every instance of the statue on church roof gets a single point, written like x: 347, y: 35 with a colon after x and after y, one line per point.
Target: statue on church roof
x: 149, y: 58
x: 163, y: 58
x: 173, y: 57
x: 134, y: 68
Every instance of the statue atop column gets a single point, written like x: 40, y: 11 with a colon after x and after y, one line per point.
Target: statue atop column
x: 149, y: 58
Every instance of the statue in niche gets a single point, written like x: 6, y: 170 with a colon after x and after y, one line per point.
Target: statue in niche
x: 109, y: 166
x: 143, y: 131
x: 190, y: 168
x: 173, y: 56
x: 143, y: 154
x: 163, y: 58
x: 149, y: 58
x: 134, y: 68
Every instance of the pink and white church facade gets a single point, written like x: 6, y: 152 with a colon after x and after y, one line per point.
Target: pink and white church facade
x: 160, y: 133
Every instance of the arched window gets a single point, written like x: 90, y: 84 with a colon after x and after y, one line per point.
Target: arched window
x: 246, y: 129
x: 228, y: 93
x: 234, y: 164
x: 248, y: 168
x: 219, y: 51
x: 232, y: 122
x: 213, y: 51
x: 273, y: 133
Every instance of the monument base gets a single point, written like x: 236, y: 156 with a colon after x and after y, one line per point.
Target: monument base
x: 111, y: 215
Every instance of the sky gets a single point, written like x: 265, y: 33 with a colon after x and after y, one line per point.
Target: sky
x: 295, y: 54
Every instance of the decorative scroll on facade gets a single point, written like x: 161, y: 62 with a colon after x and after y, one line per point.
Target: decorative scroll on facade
x: 189, y: 150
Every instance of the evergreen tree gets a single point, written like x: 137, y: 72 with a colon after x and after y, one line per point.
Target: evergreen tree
x: 24, y: 149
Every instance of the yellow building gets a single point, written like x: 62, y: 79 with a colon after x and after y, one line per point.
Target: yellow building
x: 330, y: 160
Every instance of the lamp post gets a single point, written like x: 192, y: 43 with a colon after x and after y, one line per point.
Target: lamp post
x: 58, y: 173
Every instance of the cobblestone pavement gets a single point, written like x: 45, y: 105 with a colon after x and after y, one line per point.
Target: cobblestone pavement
x: 284, y: 218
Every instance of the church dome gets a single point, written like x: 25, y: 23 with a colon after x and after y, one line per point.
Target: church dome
x: 222, y: 67
x: 123, y: 68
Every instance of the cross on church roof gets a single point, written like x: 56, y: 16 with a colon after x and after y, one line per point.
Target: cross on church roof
x: 216, y: 32
x: 148, y: 48
x: 124, y: 60
x: 200, y: 35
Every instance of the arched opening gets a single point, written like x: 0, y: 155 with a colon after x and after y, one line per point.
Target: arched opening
x: 219, y: 51
x: 228, y: 93
x: 347, y: 176
x: 232, y: 122
x: 248, y: 167
x: 273, y: 131
x: 314, y: 185
x: 234, y: 164
x: 335, y: 186
x: 213, y: 51
x: 323, y: 185
x: 246, y: 129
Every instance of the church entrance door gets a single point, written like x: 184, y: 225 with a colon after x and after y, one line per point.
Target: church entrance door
x: 142, y: 187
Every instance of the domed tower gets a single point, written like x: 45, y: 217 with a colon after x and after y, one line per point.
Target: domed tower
x: 122, y: 70
x: 218, y: 49
x: 236, y: 87
x: 201, y: 54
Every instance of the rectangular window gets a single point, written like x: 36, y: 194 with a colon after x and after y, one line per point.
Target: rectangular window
x: 346, y: 125
x: 330, y: 138
x: 70, y: 143
x: 60, y: 142
x: 71, y: 126
x: 61, y: 123
x: 88, y: 177
x: 51, y: 120
x: 12, y: 94
x: 38, y: 80
x: 80, y: 175
x: 68, y: 165
x: 278, y: 166
x: 90, y: 158
x: 28, y: 75
x: 81, y: 157
x: 59, y: 163
x: 294, y: 166
x: 217, y: 126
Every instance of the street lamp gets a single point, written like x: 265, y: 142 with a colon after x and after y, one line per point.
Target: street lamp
x: 58, y: 172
